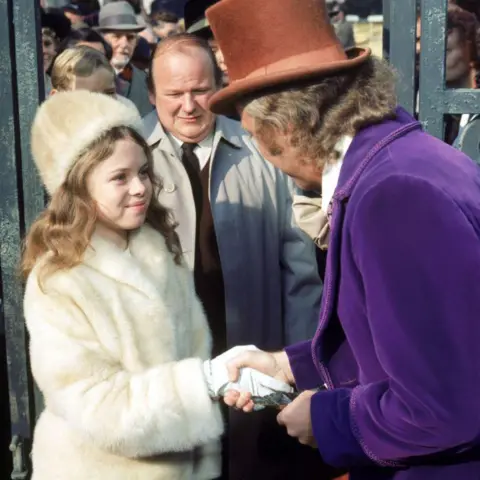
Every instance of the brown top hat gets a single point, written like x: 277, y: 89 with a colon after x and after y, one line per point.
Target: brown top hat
x: 274, y: 43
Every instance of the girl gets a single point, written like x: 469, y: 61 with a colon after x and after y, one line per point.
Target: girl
x: 117, y: 333
x: 83, y: 68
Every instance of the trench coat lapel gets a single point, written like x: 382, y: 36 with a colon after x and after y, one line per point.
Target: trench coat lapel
x: 155, y: 134
x: 224, y: 131
x: 177, y: 192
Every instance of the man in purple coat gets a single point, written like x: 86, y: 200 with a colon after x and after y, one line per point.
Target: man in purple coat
x: 391, y: 381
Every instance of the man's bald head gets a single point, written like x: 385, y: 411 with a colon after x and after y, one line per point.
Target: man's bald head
x: 186, y: 44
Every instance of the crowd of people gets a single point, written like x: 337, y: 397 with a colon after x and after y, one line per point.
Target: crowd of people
x: 240, y: 219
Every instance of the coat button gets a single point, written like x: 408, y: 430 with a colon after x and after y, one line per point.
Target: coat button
x: 169, y: 187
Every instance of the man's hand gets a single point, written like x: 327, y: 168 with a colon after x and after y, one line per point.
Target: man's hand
x: 215, y: 370
x: 275, y: 365
x: 297, y: 420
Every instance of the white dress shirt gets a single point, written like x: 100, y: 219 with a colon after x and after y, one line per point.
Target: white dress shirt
x: 203, y: 150
x: 331, y: 172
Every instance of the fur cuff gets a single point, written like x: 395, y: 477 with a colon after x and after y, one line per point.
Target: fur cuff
x: 203, y: 415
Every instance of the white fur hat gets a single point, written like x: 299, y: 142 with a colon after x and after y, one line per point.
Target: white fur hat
x: 67, y: 123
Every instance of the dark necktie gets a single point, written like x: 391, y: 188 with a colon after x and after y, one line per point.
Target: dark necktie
x: 189, y: 159
x: 192, y: 166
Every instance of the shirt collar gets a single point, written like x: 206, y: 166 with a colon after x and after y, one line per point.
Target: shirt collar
x: 177, y: 143
x: 331, y: 172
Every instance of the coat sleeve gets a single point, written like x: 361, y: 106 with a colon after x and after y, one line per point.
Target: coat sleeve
x: 301, y: 284
x: 418, y: 256
x: 135, y: 414
x: 301, y: 362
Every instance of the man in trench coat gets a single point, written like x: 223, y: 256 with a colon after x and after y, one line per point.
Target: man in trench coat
x: 255, y: 271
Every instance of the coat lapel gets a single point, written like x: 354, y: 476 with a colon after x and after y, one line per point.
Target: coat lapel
x: 224, y: 130
x: 177, y: 192
x: 155, y: 134
x: 226, y: 135
x: 364, y: 147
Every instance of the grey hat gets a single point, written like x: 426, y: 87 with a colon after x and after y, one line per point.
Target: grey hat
x: 118, y: 16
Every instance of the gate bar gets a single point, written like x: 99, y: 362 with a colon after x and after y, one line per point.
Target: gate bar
x: 31, y: 91
x: 12, y: 144
x: 26, y: 16
x: 435, y: 99
x: 402, y: 29
x: 432, y: 66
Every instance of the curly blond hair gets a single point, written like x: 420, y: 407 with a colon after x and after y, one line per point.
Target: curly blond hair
x: 316, y: 116
x: 65, y: 228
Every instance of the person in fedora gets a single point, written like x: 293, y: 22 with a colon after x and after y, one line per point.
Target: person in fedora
x: 389, y: 385
x: 197, y: 24
x: 164, y: 23
x: 119, y: 26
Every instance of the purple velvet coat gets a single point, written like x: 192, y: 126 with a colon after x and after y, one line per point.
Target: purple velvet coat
x: 398, y: 341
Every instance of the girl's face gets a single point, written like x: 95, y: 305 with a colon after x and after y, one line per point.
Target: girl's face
x: 49, y: 51
x: 122, y: 190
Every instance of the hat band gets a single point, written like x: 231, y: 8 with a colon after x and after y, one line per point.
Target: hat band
x: 329, y: 54
x: 116, y: 20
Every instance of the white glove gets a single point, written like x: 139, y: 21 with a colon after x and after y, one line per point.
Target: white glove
x: 250, y: 380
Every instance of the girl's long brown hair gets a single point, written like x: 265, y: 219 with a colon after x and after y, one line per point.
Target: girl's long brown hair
x: 65, y: 228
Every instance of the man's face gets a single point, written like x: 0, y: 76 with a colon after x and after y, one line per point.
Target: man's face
x: 48, y: 50
x: 184, y: 82
x: 165, y: 29
x: 458, y: 66
x: 123, y: 45
x: 304, y: 172
x: 220, y: 60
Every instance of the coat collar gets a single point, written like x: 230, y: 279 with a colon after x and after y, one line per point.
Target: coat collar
x: 225, y: 129
x: 140, y: 267
x: 366, y: 144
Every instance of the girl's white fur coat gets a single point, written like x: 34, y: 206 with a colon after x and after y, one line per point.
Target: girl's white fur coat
x: 116, y: 348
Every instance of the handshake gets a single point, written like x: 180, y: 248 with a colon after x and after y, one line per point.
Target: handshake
x: 249, y: 380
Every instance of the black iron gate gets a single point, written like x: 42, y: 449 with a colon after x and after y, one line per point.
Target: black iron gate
x: 21, y: 196
x: 434, y: 99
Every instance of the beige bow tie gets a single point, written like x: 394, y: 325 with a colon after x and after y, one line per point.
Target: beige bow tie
x: 312, y: 219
